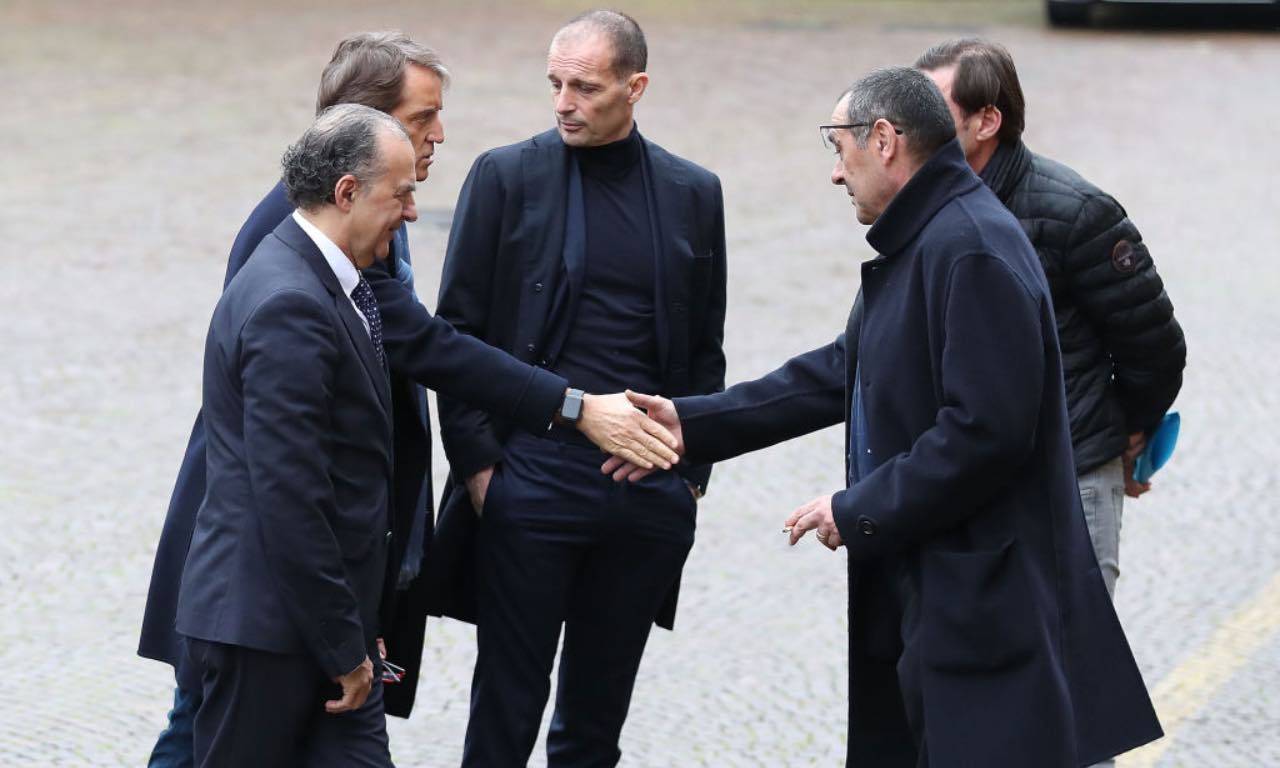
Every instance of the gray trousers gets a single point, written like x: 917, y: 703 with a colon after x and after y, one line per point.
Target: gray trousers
x: 1102, y: 494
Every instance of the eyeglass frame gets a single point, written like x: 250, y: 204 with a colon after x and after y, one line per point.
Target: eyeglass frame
x: 822, y: 130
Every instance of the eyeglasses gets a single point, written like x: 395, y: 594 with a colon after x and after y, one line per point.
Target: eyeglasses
x: 824, y: 132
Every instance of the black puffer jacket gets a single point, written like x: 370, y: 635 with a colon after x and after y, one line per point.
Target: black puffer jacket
x: 1122, y: 351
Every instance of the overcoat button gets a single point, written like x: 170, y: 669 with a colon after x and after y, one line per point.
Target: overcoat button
x: 866, y: 526
x: 537, y: 287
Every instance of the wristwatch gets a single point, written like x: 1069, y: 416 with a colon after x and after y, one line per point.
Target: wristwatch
x: 571, y: 408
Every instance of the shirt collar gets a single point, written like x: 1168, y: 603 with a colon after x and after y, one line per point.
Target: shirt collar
x: 342, y: 267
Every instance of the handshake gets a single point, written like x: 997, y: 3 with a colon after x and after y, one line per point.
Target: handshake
x: 817, y: 515
x: 641, y: 433
x: 637, y: 444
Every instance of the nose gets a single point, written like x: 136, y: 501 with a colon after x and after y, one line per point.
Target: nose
x: 837, y: 173
x: 436, y: 135
x: 410, y: 210
x: 564, y: 102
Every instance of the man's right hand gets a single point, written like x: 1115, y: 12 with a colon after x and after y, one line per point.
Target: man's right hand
x: 616, y: 427
x: 478, y: 488
x: 356, y: 686
x: 1137, y: 444
x: 661, y: 410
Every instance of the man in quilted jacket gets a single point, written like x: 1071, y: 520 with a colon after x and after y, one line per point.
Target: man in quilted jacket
x: 1122, y: 350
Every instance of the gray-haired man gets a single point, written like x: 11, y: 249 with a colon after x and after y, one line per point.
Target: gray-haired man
x: 980, y: 631
x: 283, y: 581
x: 392, y: 73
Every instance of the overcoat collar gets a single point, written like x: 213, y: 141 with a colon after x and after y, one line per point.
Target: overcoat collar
x: 943, y: 177
x: 293, y: 236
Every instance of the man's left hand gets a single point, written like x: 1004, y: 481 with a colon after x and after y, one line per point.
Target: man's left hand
x: 815, y: 516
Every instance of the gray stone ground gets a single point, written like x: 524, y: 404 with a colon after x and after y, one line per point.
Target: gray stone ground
x: 137, y: 137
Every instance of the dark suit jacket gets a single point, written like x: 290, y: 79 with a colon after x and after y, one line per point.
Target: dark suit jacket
x: 421, y: 350
x: 158, y: 640
x: 290, y: 544
x: 1015, y: 654
x: 505, y: 281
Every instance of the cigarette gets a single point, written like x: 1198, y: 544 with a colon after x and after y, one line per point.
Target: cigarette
x: 787, y: 529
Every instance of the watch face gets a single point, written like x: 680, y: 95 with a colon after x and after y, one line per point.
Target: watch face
x: 572, y: 408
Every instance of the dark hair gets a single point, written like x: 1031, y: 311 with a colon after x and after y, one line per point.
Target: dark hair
x: 368, y: 68
x: 909, y: 100
x: 984, y: 75
x: 343, y: 140
x: 630, y: 51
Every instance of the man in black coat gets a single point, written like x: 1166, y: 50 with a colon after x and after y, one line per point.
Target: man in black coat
x: 594, y: 253
x: 1122, y: 350
x: 980, y: 631
x: 394, y: 74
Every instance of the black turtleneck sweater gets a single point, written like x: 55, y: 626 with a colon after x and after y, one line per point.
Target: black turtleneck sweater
x: 613, y: 343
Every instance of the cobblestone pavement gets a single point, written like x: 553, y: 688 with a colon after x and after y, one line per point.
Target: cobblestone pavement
x: 138, y: 136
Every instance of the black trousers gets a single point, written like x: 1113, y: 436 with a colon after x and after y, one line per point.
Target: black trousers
x: 561, y: 544
x: 267, y: 709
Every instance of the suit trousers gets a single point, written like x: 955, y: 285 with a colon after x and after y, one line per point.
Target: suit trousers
x: 267, y: 709
x: 561, y: 544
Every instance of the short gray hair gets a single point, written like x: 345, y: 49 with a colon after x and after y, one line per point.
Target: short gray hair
x: 343, y: 140
x: 908, y: 99
x: 368, y: 68
x: 630, y: 50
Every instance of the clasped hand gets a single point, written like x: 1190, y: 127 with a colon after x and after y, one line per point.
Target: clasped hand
x: 615, y: 426
x: 663, y: 413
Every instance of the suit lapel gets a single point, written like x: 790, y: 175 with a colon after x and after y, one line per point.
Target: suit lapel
x: 669, y: 195
x: 295, y: 238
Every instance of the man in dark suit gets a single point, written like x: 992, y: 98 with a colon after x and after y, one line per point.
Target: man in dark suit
x: 389, y: 72
x: 598, y: 255
x: 980, y: 630
x: 282, y: 584
x: 392, y: 73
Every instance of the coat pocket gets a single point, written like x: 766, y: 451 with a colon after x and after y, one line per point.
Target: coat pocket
x: 977, y: 610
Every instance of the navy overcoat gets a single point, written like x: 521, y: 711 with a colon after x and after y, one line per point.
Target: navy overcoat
x: 980, y: 632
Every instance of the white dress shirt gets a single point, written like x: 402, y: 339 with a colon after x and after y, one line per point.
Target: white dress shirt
x: 342, y: 267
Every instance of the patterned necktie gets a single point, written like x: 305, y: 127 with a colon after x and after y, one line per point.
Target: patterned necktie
x: 368, y: 305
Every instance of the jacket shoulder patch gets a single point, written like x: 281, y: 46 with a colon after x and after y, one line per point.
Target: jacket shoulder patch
x: 1123, y: 257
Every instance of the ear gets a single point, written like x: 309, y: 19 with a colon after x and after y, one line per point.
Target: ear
x: 886, y: 142
x: 344, y: 192
x: 636, y: 85
x: 992, y: 119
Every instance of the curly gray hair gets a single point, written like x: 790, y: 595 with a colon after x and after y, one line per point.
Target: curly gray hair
x: 343, y: 140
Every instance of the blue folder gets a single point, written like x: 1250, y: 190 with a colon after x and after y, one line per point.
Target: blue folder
x: 1159, y: 447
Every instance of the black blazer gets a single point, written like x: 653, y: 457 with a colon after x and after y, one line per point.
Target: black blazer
x: 505, y: 281
x: 290, y: 544
x: 1015, y: 650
